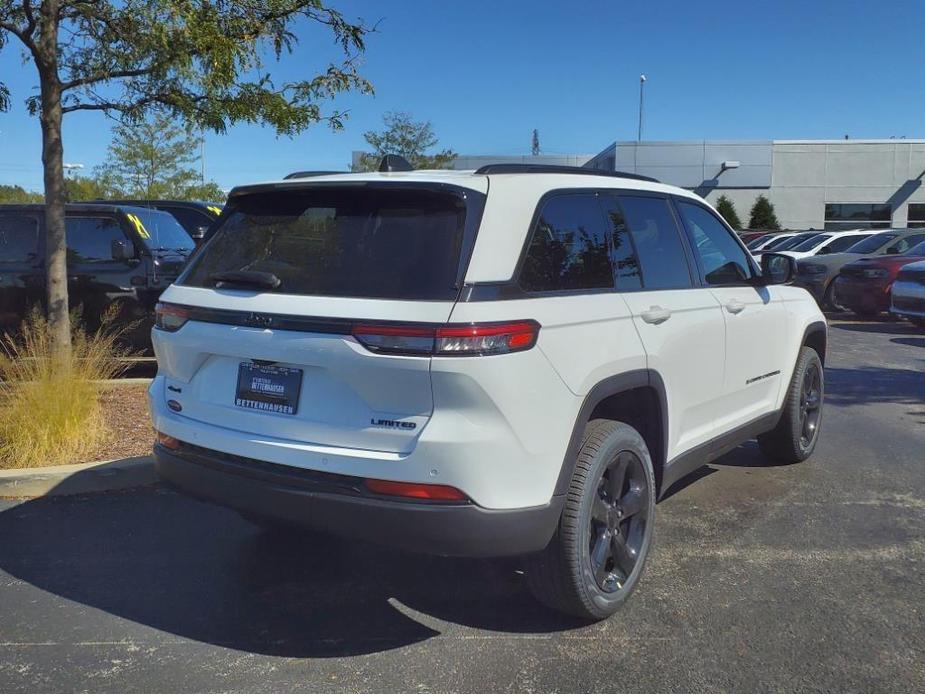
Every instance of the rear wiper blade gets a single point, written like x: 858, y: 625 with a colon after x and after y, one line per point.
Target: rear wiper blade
x: 245, y: 278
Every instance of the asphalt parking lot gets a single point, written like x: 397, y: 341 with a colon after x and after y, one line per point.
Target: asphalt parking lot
x: 806, y: 577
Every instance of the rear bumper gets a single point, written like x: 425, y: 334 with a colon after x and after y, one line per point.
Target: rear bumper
x: 340, y: 504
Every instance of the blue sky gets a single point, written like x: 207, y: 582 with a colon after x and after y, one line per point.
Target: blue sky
x: 485, y: 73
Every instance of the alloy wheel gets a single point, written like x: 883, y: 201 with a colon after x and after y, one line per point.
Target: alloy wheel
x: 810, y: 405
x: 619, y: 518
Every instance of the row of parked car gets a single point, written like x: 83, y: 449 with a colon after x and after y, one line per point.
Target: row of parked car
x: 866, y: 271
x: 122, y: 252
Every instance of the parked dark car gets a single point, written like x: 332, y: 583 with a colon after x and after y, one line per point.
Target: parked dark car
x: 195, y: 217
x: 116, y: 254
x: 865, y: 286
x: 817, y: 274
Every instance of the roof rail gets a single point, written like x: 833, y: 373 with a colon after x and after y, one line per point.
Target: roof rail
x: 552, y: 168
x: 309, y: 174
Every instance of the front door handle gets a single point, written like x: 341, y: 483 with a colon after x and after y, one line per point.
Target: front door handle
x: 735, y: 306
x: 655, y: 315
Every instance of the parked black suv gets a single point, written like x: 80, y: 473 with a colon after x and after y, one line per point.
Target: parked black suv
x: 195, y: 217
x: 115, y: 254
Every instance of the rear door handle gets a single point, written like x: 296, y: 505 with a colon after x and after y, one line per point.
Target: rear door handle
x: 655, y: 315
x: 735, y: 306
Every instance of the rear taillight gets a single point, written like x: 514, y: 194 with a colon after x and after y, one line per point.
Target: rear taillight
x: 479, y: 339
x: 411, y: 490
x: 169, y: 317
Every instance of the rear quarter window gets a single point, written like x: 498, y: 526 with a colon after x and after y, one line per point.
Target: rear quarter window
x: 568, y: 247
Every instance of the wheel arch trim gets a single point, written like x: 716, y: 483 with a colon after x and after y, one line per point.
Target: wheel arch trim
x: 614, y: 385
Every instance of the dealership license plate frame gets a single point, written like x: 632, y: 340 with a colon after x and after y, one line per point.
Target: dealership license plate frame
x: 263, y: 397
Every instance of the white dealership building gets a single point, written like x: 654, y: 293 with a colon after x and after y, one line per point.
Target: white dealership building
x: 814, y: 184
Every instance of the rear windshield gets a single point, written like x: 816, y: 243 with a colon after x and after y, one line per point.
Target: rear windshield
x: 382, y: 243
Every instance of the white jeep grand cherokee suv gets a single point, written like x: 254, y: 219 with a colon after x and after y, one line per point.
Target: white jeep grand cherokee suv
x: 512, y: 361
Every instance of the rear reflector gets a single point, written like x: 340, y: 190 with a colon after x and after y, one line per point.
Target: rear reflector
x: 478, y: 339
x: 409, y: 490
x: 167, y: 441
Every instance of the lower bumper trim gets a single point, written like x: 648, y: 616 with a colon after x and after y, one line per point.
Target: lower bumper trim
x: 335, y: 506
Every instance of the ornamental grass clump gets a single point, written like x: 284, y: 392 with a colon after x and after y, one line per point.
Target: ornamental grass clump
x: 50, y: 409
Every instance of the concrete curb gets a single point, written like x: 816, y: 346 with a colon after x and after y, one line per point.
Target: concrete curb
x: 83, y: 478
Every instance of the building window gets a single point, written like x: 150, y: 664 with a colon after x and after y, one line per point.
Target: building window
x: 854, y: 215
x: 916, y: 216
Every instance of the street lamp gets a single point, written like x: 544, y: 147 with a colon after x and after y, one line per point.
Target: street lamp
x: 72, y: 167
x: 642, y: 83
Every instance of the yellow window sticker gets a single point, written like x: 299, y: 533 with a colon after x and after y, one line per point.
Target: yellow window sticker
x: 214, y: 210
x: 139, y: 227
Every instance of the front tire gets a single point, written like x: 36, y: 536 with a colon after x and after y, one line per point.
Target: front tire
x: 599, y: 549
x: 794, y: 438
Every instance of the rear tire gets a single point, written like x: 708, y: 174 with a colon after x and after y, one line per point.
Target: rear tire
x: 794, y: 438
x: 599, y: 549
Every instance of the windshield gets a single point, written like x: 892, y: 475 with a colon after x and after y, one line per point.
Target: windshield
x: 776, y: 243
x: 755, y: 242
x: 811, y: 243
x: 159, y: 230
x: 788, y: 244
x: 871, y: 244
x: 384, y: 243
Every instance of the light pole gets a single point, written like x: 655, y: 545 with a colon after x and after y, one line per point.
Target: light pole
x: 642, y: 84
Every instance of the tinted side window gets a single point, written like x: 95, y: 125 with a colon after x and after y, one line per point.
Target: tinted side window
x: 19, y: 238
x: 905, y: 243
x: 658, y: 242
x: 722, y: 259
x: 89, y: 239
x: 568, y: 249
x: 625, y: 261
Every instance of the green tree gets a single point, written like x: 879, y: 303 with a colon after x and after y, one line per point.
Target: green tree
x: 406, y: 137
x: 154, y: 159
x: 18, y: 194
x: 762, y: 215
x: 78, y: 188
x: 728, y: 211
x: 202, y: 62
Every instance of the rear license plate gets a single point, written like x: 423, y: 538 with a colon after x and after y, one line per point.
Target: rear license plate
x: 268, y: 388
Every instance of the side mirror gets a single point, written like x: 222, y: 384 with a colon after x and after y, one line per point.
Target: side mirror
x: 777, y: 268
x: 825, y: 250
x: 122, y: 250
x: 199, y: 233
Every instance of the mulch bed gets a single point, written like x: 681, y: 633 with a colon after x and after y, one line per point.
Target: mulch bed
x: 130, y: 433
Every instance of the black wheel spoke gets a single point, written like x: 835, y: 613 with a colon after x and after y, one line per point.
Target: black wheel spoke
x: 617, y: 475
x: 632, y: 502
x: 600, y: 554
x: 624, y: 558
x: 600, y: 510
